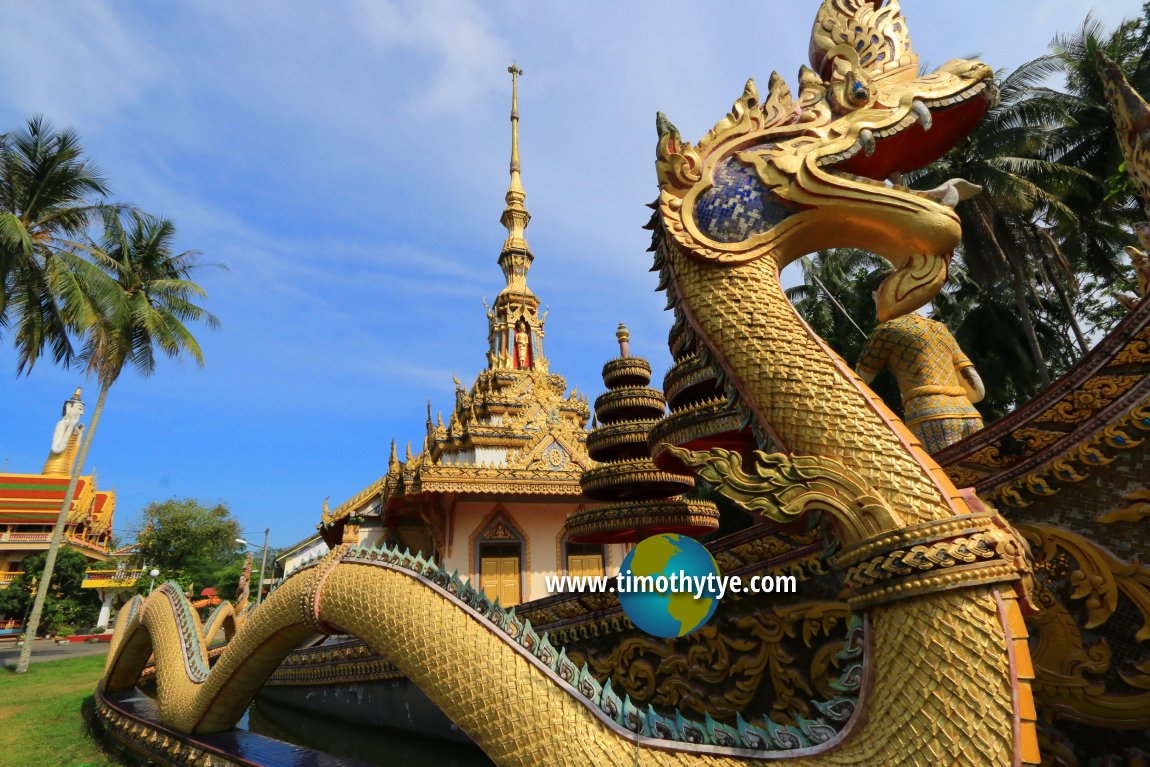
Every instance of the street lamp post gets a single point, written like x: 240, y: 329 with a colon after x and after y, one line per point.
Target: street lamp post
x: 153, y: 572
x: 263, y: 564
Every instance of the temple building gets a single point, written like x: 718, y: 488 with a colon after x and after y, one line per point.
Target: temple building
x: 30, y: 503
x: 490, y: 490
x: 298, y: 554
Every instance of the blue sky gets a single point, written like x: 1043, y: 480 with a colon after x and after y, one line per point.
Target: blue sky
x: 347, y: 161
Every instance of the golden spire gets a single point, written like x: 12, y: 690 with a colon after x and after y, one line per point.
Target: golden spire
x: 515, y: 190
x: 515, y: 216
x: 514, y: 327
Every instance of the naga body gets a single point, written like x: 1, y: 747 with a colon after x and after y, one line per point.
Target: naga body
x: 938, y: 577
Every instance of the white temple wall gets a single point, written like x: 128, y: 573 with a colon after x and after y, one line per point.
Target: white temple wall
x: 314, y: 548
x: 539, y: 525
x: 491, y: 456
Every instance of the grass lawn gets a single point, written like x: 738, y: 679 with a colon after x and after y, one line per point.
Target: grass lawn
x: 40, y: 722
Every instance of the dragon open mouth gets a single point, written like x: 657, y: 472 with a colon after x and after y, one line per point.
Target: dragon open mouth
x: 924, y: 134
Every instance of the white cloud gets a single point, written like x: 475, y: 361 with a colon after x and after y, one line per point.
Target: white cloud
x: 78, y: 64
x: 456, y: 35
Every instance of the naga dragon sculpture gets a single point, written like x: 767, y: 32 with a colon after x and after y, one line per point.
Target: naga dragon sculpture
x: 1132, y: 124
x: 938, y: 578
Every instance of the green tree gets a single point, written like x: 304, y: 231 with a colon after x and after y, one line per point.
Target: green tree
x: 67, y: 604
x: 189, y: 542
x: 987, y: 326
x: 833, y: 298
x: 1022, y: 187
x: 227, y: 579
x: 1085, y: 135
x: 49, y: 195
x: 132, y: 299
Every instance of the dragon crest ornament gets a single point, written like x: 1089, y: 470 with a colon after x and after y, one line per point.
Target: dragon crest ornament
x: 788, y: 176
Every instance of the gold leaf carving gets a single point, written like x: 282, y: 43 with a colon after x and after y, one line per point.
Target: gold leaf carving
x: 1137, y: 509
x: 783, y: 487
x: 1071, y: 670
x: 722, y: 671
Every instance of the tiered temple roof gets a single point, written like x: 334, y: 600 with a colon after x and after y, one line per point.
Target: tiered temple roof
x: 35, y: 499
x: 642, y: 500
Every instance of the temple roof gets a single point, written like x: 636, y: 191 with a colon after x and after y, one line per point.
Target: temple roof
x: 509, y: 427
x: 35, y: 499
x: 1074, y: 426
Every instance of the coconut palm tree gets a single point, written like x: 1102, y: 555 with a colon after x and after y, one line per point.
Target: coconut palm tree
x: 1080, y: 134
x: 135, y: 297
x: 987, y: 326
x: 1086, y: 138
x: 49, y: 195
x: 831, y: 297
x: 1022, y: 187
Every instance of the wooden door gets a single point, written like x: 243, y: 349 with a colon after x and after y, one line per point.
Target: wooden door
x: 499, y: 577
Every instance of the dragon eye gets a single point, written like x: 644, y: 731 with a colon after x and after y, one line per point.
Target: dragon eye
x: 858, y: 93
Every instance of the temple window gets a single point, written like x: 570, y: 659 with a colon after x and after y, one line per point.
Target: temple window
x: 585, y: 559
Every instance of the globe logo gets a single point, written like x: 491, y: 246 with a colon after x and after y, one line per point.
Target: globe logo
x: 668, y: 585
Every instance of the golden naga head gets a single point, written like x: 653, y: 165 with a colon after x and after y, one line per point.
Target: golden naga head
x: 855, y: 43
x: 788, y: 176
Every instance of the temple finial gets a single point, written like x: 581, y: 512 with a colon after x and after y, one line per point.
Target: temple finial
x: 515, y: 73
x: 623, y: 336
x: 515, y: 215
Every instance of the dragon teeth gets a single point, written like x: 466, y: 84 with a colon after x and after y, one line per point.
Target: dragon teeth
x: 922, y: 113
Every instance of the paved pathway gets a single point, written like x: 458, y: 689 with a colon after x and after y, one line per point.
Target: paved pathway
x: 47, y: 649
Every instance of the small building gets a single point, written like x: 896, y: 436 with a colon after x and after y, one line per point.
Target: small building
x: 30, y: 503
x: 114, y: 580
x: 291, y: 558
x: 490, y: 490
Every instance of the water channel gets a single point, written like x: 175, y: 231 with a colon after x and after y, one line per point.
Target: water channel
x: 373, y: 745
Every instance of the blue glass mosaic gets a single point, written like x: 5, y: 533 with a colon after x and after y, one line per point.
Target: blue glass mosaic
x: 738, y: 206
